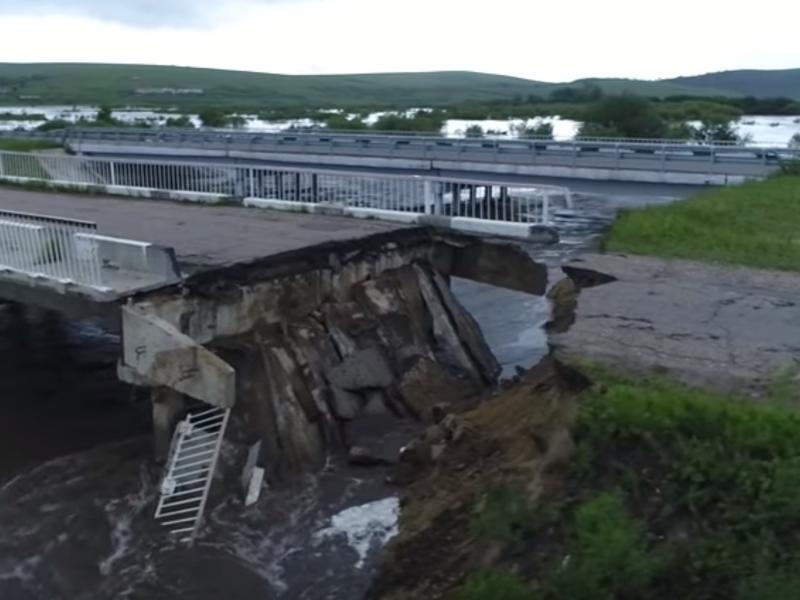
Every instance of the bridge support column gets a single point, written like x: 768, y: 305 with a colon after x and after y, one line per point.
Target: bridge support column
x: 168, y: 405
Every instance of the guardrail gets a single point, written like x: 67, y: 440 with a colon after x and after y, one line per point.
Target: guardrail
x: 65, y: 250
x: 701, y: 162
x: 209, y: 134
x: 371, y: 192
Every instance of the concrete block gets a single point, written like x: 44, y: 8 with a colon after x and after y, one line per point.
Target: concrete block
x: 163, y: 356
x: 361, y: 370
x: 252, y: 476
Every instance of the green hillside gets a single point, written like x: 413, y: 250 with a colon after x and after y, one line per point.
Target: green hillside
x: 125, y: 84
x: 660, y: 89
x: 191, y: 88
x: 760, y: 84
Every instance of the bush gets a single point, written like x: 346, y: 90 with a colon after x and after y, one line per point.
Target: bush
x: 495, y: 585
x: 716, y: 131
x: 722, y: 472
x: 540, y: 130
x: 608, y: 554
x: 627, y: 115
x: 423, y: 121
x: 105, y: 117
x: 341, y: 122
x: 54, y: 125
x: 474, y: 131
x: 181, y: 121
x: 508, y: 516
x: 214, y: 117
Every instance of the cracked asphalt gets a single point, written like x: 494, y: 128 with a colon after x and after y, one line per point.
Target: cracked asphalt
x: 727, y: 328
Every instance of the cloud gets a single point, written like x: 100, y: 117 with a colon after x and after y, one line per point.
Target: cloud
x: 136, y: 13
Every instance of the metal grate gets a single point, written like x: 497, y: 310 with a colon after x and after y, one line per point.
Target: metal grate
x: 190, y: 469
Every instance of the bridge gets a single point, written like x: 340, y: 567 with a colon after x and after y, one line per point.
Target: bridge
x: 494, y: 206
x: 667, y: 161
x: 287, y: 324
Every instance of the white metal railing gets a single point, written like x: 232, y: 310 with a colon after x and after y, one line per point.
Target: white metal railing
x: 452, y: 197
x: 51, y: 247
x: 190, y: 468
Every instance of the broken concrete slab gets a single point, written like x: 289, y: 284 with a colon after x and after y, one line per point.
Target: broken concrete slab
x: 346, y: 405
x: 252, y: 476
x: 499, y: 264
x: 727, y: 328
x: 361, y: 370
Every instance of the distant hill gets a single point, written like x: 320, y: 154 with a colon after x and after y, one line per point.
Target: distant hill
x: 760, y: 84
x: 187, y: 87
x: 191, y: 88
x: 653, y: 89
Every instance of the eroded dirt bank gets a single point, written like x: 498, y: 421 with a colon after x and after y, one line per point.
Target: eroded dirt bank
x: 519, y: 438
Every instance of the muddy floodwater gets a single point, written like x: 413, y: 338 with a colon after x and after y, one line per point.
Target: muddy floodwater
x: 77, y: 488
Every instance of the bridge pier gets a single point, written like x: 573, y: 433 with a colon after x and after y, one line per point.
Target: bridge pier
x: 168, y: 407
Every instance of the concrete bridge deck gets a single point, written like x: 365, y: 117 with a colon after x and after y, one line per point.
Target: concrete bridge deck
x: 202, y: 236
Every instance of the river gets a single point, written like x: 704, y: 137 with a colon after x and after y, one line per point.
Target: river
x: 77, y: 490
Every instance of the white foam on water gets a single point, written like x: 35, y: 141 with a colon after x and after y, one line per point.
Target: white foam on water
x: 23, y: 570
x: 367, y: 526
x: 121, y: 514
x: 251, y: 536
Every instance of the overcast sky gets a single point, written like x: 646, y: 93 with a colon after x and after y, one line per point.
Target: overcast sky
x: 550, y: 41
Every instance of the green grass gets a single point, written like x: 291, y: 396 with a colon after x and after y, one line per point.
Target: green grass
x: 14, y: 145
x: 755, y: 224
x: 674, y: 493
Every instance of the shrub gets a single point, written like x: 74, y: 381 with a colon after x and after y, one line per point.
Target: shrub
x: 626, y: 115
x: 424, y: 120
x: 507, y: 515
x: 495, y: 585
x: 608, y: 555
x: 474, y: 131
x: 341, y: 122
x: 213, y: 117
x: 540, y: 130
x: 181, y: 121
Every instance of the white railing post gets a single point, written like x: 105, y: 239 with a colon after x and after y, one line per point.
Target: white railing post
x: 430, y: 200
x: 113, y: 173
x: 545, y: 208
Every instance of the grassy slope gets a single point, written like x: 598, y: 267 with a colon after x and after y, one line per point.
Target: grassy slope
x: 26, y: 145
x: 116, y: 84
x: 756, y: 224
x: 671, y: 492
x: 764, y: 84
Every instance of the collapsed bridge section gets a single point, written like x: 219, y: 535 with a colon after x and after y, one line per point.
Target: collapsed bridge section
x: 302, y: 345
